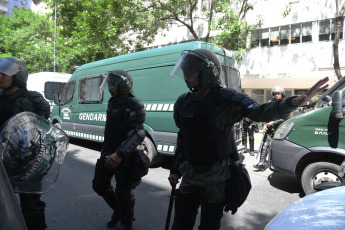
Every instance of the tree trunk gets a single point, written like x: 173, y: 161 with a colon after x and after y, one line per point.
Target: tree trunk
x: 335, y: 47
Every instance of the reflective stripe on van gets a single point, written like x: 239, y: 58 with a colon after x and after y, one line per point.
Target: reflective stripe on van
x: 159, y: 107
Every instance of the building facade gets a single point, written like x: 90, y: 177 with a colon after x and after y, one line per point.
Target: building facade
x: 293, y: 51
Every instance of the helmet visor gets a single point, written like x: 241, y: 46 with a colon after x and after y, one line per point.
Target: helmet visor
x: 32, y: 151
x: 9, y: 68
x: 112, y: 81
x: 190, y: 65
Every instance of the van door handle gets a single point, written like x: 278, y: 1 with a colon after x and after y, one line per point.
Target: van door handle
x: 71, y: 107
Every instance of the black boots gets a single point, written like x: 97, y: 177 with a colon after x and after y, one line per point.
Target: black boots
x: 262, y: 163
x: 127, y: 215
x: 115, y: 218
x: 260, y: 166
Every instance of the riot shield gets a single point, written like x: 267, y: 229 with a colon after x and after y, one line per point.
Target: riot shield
x: 32, y: 151
x: 10, y: 214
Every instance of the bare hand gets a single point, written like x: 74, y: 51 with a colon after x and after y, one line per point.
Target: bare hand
x: 269, y: 123
x: 303, y: 99
x: 174, y: 179
x: 112, y: 161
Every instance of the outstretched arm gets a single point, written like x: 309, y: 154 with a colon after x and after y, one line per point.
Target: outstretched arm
x: 303, y: 99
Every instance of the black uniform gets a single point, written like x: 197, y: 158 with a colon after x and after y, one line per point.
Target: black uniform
x: 123, y: 133
x: 25, y: 101
x: 205, y: 144
x: 249, y: 127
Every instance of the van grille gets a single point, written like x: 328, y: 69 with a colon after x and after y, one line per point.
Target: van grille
x: 231, y: 77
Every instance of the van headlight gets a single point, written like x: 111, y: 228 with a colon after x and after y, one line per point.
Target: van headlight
x: 283, y: 131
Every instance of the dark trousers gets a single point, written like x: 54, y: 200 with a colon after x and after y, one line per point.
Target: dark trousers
x: 250, y: 131
x: 186, y: 210
x: 33, y: 211
x: 121, y: 199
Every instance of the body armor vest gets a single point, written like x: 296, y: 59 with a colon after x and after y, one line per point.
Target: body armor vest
x: 203, y: 142
x: 117, y: 126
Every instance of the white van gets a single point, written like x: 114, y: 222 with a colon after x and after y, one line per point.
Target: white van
x: 36, y: 81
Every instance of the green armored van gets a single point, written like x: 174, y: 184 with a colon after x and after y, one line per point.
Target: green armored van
x: 312, y: 145
x: 81, y: 112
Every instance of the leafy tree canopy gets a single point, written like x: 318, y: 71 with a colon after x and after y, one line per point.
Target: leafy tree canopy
x: 91, y: 30
x: 223, y: 18
x: 96, y: 29
x: 28, y: 37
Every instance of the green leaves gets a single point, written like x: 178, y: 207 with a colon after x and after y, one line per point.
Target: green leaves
x: 90, y: 30
x: 27, y: 36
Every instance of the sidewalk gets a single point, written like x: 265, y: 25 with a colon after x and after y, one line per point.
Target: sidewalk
x: 258, y: 136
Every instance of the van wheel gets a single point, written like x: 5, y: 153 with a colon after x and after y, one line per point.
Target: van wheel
x: 317, y: 173
x: 150, y: 150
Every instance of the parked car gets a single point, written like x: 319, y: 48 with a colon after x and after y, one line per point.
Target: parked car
x: 321, y: 210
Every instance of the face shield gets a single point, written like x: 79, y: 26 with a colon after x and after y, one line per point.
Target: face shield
x: 9, y: 68
x: 190, y: 65
x: 32, y: 151
x: 111, y: 81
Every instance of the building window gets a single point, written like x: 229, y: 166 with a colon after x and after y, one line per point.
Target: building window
x: 333, y: 25
x: 284, y: 35
x: 295, y: 33
x: 300, y: 91
x: 324, y: 30
x: 258, y: 95
x: 274, y: 36
x: 265, y: 37
x: 307, y: 32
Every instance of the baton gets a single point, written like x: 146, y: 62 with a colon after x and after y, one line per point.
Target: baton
x: 171, y: 202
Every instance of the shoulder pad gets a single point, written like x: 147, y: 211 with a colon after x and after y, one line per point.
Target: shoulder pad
x: 232, y: 95
x: 181, y: 99
x: 134, y: 103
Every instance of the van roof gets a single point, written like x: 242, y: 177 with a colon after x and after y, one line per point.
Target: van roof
x: 150, y: 57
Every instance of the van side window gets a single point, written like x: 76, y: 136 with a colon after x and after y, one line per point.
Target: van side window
x: 89, y: 91
x: 231, y: 78
x: 67, y: 92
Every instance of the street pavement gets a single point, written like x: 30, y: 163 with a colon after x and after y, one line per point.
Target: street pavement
x: 73, y: 205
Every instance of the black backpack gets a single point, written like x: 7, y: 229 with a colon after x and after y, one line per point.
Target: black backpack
x: 42, y: 107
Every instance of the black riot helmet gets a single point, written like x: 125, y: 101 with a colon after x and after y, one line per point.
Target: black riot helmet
x: 120, y: 78
x: 205, y: 61
x: 16, y: 68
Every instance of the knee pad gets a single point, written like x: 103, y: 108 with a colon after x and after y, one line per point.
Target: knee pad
x: 98, y: 189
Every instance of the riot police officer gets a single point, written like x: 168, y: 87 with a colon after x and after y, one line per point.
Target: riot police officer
x: 278, y: 93
x: 15, y: 99
x: 123, y: 133
x: 205, y: 141
x: 249, y: 127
